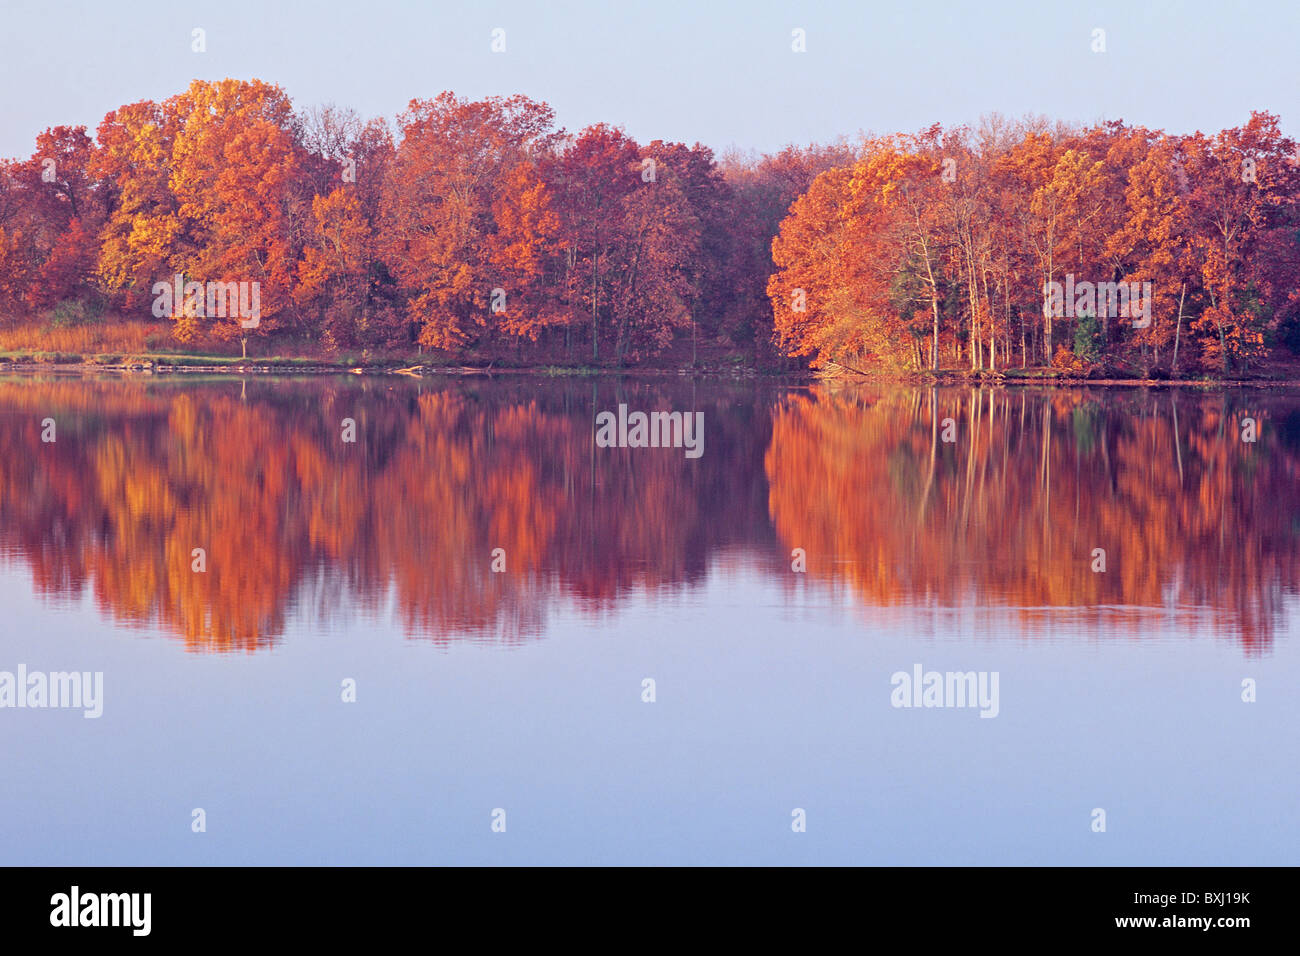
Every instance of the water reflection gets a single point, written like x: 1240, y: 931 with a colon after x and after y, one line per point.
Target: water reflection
x: 1195, y: 523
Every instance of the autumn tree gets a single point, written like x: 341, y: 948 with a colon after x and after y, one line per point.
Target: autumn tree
x: 826, y: 302
x: 762, y: 189
x: 895, y: 206
x: 1242, y: 184
x: 457, y: 249
x: 141, y: 229
x: 235, y: 159
x: 342, y: 279
x: 595, y: 174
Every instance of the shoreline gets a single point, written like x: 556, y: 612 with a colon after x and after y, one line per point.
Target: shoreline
x: 306, y: 367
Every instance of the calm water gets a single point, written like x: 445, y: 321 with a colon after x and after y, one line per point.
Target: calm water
x: 327, y: 561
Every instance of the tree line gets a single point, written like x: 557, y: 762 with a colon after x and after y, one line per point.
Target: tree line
x: 953, y: 247
x: 471, y: 226
x: 479, y: 227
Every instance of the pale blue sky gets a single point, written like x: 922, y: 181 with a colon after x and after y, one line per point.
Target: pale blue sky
x: 719, y: 73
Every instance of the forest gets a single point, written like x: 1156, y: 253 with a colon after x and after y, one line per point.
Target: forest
x: 950, y: 248
x: 480, y: 231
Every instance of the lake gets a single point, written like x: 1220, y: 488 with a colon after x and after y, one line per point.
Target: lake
x: 865, y: 625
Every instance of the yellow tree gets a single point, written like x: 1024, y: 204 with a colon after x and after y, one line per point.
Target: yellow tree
x: 895, y: 205
x: 140, y: 234
x: 234, y: 162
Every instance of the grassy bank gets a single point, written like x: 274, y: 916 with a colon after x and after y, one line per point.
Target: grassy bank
x: 133, y: 346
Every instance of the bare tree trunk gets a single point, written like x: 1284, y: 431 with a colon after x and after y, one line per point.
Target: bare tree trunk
x: 1024, y: 353
x: 1047, y: 328
x: 1179, y: 330
x: 934, y: 342
x: 595, y: 300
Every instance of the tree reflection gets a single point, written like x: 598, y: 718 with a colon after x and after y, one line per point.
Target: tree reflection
x: 1196, y: 524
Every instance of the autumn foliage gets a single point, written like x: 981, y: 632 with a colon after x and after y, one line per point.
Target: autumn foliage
x: 480, y: 227
x: 470, y: 226
x: 934, y: 250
